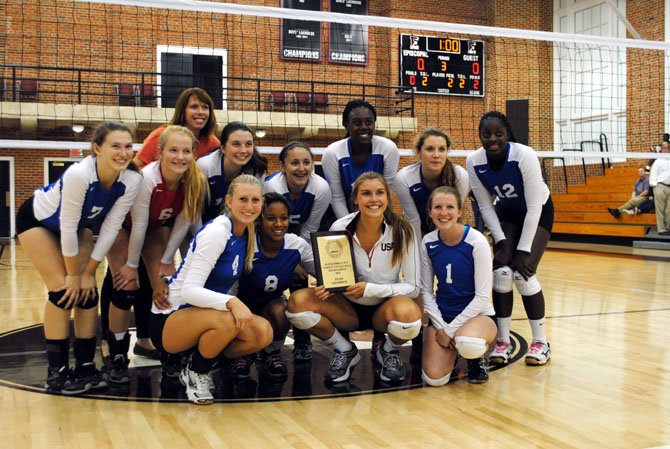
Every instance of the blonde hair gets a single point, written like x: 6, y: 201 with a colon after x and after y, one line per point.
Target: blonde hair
x: 403, y: 232
x: 195, y: 182
x: 251, y: 229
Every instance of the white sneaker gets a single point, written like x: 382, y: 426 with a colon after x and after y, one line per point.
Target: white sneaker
x: 197, y: 386
x: 539, y: 353
x: 501, y: 354
x: 629, y: 212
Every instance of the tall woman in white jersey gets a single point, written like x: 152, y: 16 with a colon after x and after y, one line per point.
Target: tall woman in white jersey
x: 169, y: 202
x: 54, y: 227
x: 200, y: 312
x: 384, y: 247
x: 434, y: 169
x: 520, y: 222
x: 460, y: 311
x: 359, y: 152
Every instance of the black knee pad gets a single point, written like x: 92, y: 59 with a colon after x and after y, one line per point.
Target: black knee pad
x: 54, y: 297
x: 91, y: 302
x: 124, y: 299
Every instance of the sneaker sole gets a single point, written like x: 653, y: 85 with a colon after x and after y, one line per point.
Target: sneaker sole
x: 499, y: 361
x: 122, y: 381
x: 477, y: 381
x: 531, y: 361
x: 75, y: 392
x: 347, y: 374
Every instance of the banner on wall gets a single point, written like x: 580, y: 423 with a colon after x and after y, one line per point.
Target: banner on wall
x: 348, y: 42
x: 301, y: 39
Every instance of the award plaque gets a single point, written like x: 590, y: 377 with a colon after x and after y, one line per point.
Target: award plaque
x: 334, y: 260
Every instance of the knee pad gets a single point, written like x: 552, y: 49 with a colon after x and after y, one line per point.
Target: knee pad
x: 303, y: 320
x: 470, y: 347
x: 54, y: 297
x: 502, y: 280
x: 124, y: 299
x: 404, y: 331
x: 91, y: 302
x: 527, y: 287
x: 435, y: 382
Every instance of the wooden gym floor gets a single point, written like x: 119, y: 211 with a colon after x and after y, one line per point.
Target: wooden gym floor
x: 607, y: 386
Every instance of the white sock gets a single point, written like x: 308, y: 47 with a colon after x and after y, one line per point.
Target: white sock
x: 339, y: 342
x: 118, y: 336
x: 538, y: 330
x: 390, y: 346
x: 504, y: 325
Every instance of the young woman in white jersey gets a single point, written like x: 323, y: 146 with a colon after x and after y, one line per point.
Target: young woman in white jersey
x: 415, y: 182
x: 277, y: 254
x: 54, y: 228
x: 520, y: 222
x: 199, y: 313
x: 308, y: 196
x: 460, y: 311
x: 384, y: 247
x: 169, y: 202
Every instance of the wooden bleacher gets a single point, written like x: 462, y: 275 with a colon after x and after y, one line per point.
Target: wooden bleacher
x: 583, y: 210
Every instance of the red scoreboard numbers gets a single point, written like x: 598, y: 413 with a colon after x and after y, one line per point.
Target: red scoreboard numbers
x: 444, y: 66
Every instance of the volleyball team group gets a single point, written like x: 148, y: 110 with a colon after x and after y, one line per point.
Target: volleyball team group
x: 244, y: 240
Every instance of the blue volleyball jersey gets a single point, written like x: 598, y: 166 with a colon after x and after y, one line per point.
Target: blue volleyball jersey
x: 271, y: 276
x: 506, y: 184
x: 212, y: 166
x: 306, y: 211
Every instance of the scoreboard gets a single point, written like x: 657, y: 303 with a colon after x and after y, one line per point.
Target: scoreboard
x: 443, y: 66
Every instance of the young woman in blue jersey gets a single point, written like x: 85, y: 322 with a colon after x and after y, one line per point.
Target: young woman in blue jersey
x: 520, y: 222
x: 460, y: 311
x: 359, y: 152
x: 276, y: 256
x: 238, y: 155
x: 54, y: 228
x: 308, y: 196
x: 199, y: 312
x: 434, y: 169
x: 169, y: 202
x: 384, y: 247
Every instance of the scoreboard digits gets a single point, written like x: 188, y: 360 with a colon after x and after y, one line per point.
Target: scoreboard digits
x: 444, y: 66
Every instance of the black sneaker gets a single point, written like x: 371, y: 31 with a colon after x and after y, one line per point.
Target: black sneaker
x: 172, y: 364
x: 302, y: 352
x: 376, y: 344
x: 274, y: 365
x: 84, y: 378
x: 341, y: 364
x: 477, y: 371
x: 240, y: 368
x: 615, y: 212
x: 117, y: 372
x: 56, y: 378
x: 393, y: 369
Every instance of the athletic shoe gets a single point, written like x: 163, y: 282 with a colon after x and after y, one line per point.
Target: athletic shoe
x: 341, y: 364
x: 56, y: 378
x: 172, y: 365
x: 274, y: 365
x: 539, y: 353
x: 240, y: 368
x: 477, y: 371
x: 615, y: 212
x: 501, y: 354
x: 83, y: 378
x: 629, y: 212
x: 376, y: 344
x: 198, y: 386
x: 117, y: 371
x: 393, y: 369
x: 302, y: 352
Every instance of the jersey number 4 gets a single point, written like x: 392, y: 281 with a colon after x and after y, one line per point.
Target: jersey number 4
x: 507, y: 191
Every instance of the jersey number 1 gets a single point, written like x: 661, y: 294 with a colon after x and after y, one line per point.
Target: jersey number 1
x: 449, y: 280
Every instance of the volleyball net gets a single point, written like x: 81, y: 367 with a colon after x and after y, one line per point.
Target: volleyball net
x: 289, y: 70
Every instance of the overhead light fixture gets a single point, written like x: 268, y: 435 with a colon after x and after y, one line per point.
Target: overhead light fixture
x: 260, y: 133
x: 78, y: 128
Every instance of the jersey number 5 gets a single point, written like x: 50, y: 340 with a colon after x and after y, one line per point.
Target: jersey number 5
x: 507, y: 191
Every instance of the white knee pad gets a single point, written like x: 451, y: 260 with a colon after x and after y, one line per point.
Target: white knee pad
x: 435, y: 382
x: 303, y: 320
x: 470, y: 347
x: 404, y: 331
x: 502, y: 280
x: 527, y: 287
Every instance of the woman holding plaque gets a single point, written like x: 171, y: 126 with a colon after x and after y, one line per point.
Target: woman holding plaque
x: 384, y: 246
x: 199, y: 311
x: 276, y: 256
x: 461, y: 315
x: 434, y: 169
x: 359, y: 152
x: 308, y: 196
